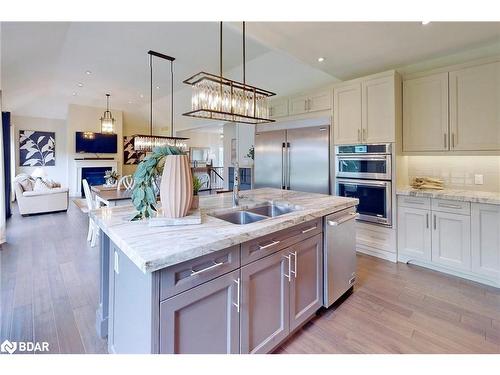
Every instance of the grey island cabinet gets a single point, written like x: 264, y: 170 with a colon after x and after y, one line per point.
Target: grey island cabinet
x: 247, y: 297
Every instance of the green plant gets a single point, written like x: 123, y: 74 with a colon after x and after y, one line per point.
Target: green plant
x: 143, y: 196
x: 111, y: 176
x: 197, y: 184
x: 251, y: 153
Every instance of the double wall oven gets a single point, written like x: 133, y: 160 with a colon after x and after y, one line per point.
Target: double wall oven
x: 365, y: 172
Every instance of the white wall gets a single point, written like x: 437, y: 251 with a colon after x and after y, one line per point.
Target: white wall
x: 200, y: 138
x: 58, y: 172
x: 457, y: 171
x: 83, y: 118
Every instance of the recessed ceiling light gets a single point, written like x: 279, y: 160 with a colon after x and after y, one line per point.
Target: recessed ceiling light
x: 141, y: 96
x: 157, y: 87
x: 321, y: 59
x: 88, y: 72
x: 80, y: 84
x: 74, y: 94
x: 426, y: 22
x: 130, y: 102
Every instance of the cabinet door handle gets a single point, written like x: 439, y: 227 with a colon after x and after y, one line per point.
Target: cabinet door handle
x: 309, y: 229
x: 294, y: 264
x: 237, y: 304
x: 452, y: 140
x: 434, y: 222
x: 445, y: 143
x: 215, y: 265
x: 359, y: 134
x: 427, y: 220
x: 268, y: 245
x: 287, y: 257
x: 448, y: 205
x: 365, y: 132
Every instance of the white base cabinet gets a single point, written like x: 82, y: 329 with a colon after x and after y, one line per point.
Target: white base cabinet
x: 451, y: 240
x: 460, y: 238
x: 486, y: 240
x: 414, y: 232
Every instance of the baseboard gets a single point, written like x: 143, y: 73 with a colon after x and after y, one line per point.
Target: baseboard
x: 464, y: 275
x: 392, y: 257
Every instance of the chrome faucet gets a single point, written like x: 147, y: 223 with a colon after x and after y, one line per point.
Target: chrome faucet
x: 236, y: 185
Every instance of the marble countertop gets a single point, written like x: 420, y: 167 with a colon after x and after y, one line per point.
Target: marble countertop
x: 154, y: 248
x: 453, y: 194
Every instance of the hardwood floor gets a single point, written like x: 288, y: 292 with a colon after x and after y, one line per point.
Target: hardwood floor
x: 49, y: 283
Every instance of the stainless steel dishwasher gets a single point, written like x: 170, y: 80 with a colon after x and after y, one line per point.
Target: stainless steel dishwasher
x: 339, y: 254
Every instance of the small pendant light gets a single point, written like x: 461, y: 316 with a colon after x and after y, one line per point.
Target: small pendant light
x: 107, y: 120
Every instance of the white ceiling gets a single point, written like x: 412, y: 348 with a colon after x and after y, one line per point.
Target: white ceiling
x: 43, y: 62
x: 354, y: 49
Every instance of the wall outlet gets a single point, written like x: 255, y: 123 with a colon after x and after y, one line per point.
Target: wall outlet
x: 478, y: 179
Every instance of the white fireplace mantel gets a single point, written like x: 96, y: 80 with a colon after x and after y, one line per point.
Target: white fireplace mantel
x: 76, y: 186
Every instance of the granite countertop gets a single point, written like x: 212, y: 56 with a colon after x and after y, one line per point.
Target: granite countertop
x: 154, y: 248
x: 453, y: 194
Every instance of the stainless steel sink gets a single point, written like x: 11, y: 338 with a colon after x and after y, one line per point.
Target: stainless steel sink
x: 271, y: 210
x: 241, y: 217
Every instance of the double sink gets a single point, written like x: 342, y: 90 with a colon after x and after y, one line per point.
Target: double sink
x: 251, y: 215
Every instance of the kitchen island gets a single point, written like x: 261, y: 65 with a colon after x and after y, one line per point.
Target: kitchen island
x: 216, y: 287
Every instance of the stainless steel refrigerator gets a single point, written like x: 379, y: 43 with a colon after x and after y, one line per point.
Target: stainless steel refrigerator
x: 293, y: 159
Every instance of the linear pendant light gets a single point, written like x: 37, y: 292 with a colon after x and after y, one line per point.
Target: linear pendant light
x: 219, y: 98
x: 146, y: 143
x: 107, y: 120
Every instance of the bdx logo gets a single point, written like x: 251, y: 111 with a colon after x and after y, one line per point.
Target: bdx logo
x: 22, y: 346
x: 8, y: 347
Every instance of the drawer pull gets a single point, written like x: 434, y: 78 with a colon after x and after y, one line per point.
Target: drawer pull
x: 447, y: 205
x: 215, y: 265
x: 309, y: 229
x: 414, y: 202
x: 268, y: 245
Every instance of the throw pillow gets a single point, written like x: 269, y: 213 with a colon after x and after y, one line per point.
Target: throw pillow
x: 27, y: 184
x: 40, y: 185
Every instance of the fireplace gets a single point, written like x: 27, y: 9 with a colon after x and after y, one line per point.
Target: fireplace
x: 97, y: 167
x: 93, y: 175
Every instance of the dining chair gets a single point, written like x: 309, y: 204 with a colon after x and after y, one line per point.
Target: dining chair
x: 127, y: 181
x: 91, y: 205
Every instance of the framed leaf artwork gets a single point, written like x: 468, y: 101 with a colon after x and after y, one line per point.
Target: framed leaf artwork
x: 37, y: 148
x: 130, y: 156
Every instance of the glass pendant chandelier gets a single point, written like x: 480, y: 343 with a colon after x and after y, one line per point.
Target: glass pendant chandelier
x: 107, y: 119
x: 146, y: 143
x: 218, y: 98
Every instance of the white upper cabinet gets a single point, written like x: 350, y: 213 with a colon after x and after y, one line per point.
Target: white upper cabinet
x: 311, y: 102
x: 486, y: 240
x: 320, y: 101
x: 298, y: 104
x: 378, y: 110
x: 364, y: 110
x: 475, y: 108
x: 347, y: 113
x: 278, y: 108
x: 425, y: 113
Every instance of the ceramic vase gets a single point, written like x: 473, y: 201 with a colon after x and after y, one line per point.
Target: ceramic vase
x: 196, y: 202
x: 176, y: 188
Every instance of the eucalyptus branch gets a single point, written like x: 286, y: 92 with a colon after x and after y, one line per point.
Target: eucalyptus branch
x: 143, y: 196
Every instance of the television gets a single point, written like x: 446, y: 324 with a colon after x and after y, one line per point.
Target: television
x: 96, y: 143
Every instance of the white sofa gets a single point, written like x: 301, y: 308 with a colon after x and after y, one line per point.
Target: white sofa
x: 36, y: 202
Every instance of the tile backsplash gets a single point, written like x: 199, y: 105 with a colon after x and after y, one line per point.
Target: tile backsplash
x: 458, y: 171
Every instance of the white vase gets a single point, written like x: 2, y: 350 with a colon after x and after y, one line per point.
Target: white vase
x: 176, y: 189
